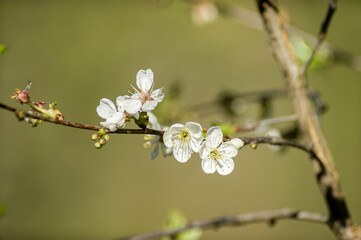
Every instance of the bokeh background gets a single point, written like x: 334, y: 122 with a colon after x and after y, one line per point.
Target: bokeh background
x: 55, y: 185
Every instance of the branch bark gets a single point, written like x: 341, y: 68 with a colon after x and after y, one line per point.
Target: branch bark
x: 324, y: 170
x: 270, y: 217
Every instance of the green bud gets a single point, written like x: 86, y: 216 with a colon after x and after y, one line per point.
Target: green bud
x: 102, y: 141
x: 143, y: 120
x: 95, y: 136
x: 98, y: 145
x: 106, y: 137
x: 102, y: 132
x: 20, y: 114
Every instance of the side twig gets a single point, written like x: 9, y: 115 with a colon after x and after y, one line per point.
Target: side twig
x: 270, y: 217
x: 322, y: 34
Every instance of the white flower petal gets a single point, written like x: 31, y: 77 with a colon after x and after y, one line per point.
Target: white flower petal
x: 176, y: 127
x: 120, y: 103
x: 153, y: 121
x: 149, y: 105
x: 155, y: 152
x: 228, y: 150
x: 145, y: 80
x: 106, y: 108
x: 214, y: 137
x: 132, y: 106
x: 225, y: 167
x: 167, y: 139
x: 157, y: 95
x: 195, y: 129
x: 181, y: 151
x: 237, y: 142
x: 195, y: 144
x: 208, y: 165
x: 165, y: 150
x: 203, y: 151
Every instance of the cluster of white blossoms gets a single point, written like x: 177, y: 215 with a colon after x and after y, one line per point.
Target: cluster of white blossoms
x: 181, y: 140
x: 143, y: 100
x: 216, y: 155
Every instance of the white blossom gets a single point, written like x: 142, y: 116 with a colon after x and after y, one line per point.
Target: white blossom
x: 154, y: 140
x: 114, y: 118
x: 217, y: 155
x: 145, y: 99
x: 185, y: 139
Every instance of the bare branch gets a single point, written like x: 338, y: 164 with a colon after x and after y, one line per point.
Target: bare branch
x: 322, y: 34
x: 78, y: 125
x: 252, y: 20
x: 324, y: 170
x: 265, y: 122
x: 270, y: 217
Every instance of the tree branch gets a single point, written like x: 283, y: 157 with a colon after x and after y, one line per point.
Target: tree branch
x: 270, y: 217
x: 22, y: 113
x: 251, y: 19
x: 322, y: 34
x: 324, y: 170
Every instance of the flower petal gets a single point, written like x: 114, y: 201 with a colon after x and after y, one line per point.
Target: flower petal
x: 165, y: 150
x: 214, y: 137
x: 153, y: 121
x: 203, y: 151
x: 167, y: 139
x: 195, y: 144
x: 157, y: 95
x: 149, y: 106
x: 145, y: 80
x: 120, y: 103
x: 208, y: 165
x: 132, y: 106
x: 225, y: 167
x: 228, y: 150
x: 182, y: 151
x: 237, y: 142
x: 155, y: 152
x: 106, y: 108
x: 195, y: 129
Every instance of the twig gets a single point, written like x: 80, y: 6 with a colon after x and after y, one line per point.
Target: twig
x: 271, y: 121
x: 79, y: 125
x: 322, y: 34
x: 324, y: 170
x: 251, y: 19
x: 270, y: 217
x: 248, y: 96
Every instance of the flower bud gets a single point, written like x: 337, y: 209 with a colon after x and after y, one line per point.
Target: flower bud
x: 102, y: 141
x: 106, y: 137
x: 95, y: 136
x: 98, y: 145
x: 102, y: 132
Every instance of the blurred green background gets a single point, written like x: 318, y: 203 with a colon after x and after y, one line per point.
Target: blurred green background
x: 55, y: 185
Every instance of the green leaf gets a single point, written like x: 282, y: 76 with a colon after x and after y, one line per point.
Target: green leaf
x: 175, y: 220
x: 2, y: 49
x: 303, y: 51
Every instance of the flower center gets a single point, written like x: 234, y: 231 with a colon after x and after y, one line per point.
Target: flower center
x: 145, y: 97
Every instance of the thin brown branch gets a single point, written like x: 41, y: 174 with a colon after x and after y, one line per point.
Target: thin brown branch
x: 252, y: 20
x: 322, y: 33
x: 77, y: 125
x: 265, y: 122
x: 270, y: 217
x: 324, y: 170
